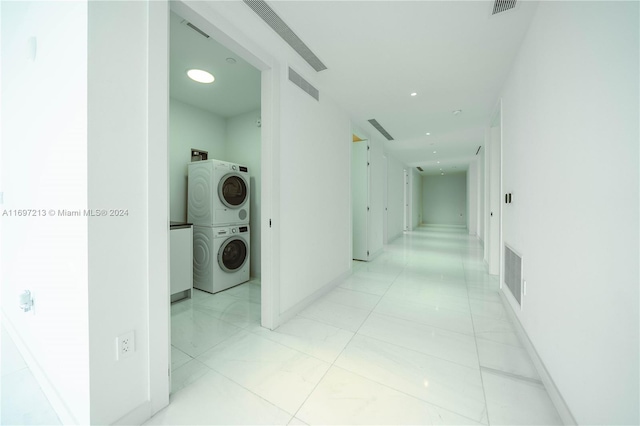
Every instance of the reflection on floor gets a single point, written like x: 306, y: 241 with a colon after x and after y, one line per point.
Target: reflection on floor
x: 23, y: 402
x: 417, y: 336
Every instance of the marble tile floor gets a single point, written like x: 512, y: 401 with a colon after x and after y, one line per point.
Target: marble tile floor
x: 22, y: 401
x: 419, y: 335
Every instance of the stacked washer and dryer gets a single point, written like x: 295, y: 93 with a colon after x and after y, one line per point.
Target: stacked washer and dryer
x: 218, y: 207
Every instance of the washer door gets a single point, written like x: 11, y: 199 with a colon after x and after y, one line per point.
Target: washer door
x: 232, y: 190
x: 232, y: 254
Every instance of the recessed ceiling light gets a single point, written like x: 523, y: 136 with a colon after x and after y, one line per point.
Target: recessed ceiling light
x: 456, y: 112
x: 438, y: 162
x: 442, y: 174
x: 200, y: 76
x: 428, y: 134
x: 435, y: 152
x: 231, y: 60
x: 414, y: 94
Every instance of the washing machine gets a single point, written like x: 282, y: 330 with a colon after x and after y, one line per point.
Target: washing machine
x: 218, y: 193
x: 220, y: 257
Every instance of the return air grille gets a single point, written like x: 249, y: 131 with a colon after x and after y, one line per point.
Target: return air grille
x: 297, y: 79
x: 264, y: 11
x: 513, y: 273
x: 503, y: 5
x: 381, y: 129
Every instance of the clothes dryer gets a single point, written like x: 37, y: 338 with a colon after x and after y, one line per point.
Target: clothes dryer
x: 218, y: 193
x: 220, y: 257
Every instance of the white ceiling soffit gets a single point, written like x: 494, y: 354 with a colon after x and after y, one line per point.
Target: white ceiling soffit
x: 455, y: 55
x: 236, y: 89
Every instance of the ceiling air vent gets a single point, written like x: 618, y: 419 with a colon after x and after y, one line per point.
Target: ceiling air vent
x: 381, y: 129
x: 420, y: 168
x: 264, y: 11
x: 198, y: 30
x: 297, y: 79
x: 503, y: 5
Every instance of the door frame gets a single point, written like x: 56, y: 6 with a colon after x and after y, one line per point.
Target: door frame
x: 159, y: 313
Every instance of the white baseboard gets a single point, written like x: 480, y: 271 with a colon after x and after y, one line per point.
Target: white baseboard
x: 137, y: 416
x: 395, y: 237
x: 547, y: 381
x: 376, y: 254
x: 58, y: 404
x: 298, y: 307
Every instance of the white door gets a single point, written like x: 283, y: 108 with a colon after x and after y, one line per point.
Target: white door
x: 385, y: 197
x: 495, y: 205
x: 407, y: 201
x: 360, y: 199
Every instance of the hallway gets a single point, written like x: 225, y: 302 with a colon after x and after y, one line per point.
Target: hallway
x: 417, y: 336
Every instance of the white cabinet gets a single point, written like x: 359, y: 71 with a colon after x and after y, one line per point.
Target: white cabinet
x: 181, y: 249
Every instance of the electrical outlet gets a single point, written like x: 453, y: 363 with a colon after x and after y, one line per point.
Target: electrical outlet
x: 125, y: 345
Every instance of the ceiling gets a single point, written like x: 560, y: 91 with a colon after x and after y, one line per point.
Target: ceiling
x: 453, y: 54
x: 236, y: 88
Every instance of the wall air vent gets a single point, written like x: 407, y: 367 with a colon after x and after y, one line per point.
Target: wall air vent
x: 297, y: 79
x: 420, y: 168
x: 502, y: 6
x: 198, y: 30
x: 264, y: 11
x: 513, y: 273
x: 381, y: 129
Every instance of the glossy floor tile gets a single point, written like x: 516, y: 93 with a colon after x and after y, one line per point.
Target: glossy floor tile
x: 419, y: 335
x: 346, y: 398
x: 22, y: 401
x: 518, y: 402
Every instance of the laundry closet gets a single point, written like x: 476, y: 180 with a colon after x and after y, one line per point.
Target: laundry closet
x: 214, y: 190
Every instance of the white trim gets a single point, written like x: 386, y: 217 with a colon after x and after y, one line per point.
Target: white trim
x: 57, y: 402
x: 547, y: 380
x: 395, y: 237
x: 159, y: 355
x: 137, y: 416
x: 376, y: 254
x: 298, y: 307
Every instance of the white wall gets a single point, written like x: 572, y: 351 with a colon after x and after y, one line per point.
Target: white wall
x: 570, y: 155
x: 395, y: 204
x: 118, y: 149
x: 416, y: 199
x: 44, y: 166
x: 444, y: 200
x: 472, y: 197
x: 92, y: 151
x: 314, y: 195
x: 243, y: 147
x: 191, y: 127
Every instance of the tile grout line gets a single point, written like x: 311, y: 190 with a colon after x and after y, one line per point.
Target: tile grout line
x: 475, y: 339
x: 338, y: 356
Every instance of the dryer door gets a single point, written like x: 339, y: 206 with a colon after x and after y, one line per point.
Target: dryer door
x: 233, y: 254
x: 233, y: 190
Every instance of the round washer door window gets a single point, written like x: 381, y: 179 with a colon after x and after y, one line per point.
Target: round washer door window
x: 232, y: 254
x: 232, y: 190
